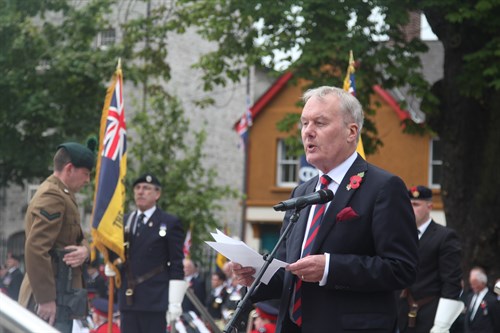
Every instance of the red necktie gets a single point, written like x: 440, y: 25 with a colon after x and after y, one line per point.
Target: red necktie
x: 313, y: 231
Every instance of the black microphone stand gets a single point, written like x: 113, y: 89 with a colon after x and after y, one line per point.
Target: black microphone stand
x: 268, y: 258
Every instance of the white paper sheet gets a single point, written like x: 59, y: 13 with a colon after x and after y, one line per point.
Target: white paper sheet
x: 238, y: 251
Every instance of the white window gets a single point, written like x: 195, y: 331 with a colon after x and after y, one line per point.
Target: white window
x: 288, y: 166
x: 31, y: 192
x: 436, y: 163
x: 106, y: 37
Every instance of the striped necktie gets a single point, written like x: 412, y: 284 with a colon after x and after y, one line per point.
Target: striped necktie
x: 139, y: 223
x: 311, y: 235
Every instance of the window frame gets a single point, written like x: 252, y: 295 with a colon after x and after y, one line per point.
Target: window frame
x: 433, y: 162
x: 285, y: 161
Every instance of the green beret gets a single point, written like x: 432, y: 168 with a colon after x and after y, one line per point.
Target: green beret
x: 81, y: 156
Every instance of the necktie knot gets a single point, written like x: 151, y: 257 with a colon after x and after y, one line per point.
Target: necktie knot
x: 325, y: 180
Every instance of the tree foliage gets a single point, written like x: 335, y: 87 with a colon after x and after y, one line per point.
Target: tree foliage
x: 247, y: 32
x: 51, y: 78
x: 462, y: 108
x: 160, y: 146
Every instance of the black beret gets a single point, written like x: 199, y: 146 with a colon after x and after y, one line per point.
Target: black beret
x: 420, y: 192
x: 147, y: 178
x: 15, y: 256
x: 101, y: 305
x: 266, y: 310
x: 80, y: 155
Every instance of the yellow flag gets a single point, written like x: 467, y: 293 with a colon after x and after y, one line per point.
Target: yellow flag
x: 350, y: 86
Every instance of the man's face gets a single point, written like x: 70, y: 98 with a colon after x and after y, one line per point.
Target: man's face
x: 77, y: 178
x: 11, y: 262
x: 475, y: 284
x: 422, y: 210
x: 188, y: 268
x: 146, y: 195
x: 216, y: 281
x: 327, y: 139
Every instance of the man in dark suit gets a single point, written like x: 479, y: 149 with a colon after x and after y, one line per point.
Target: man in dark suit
x: 153, y: 277
x: 196, y: 283
x: 14, y: 277
x: 483, y: 308
x: 343, y: 271
x: 216, y: 297
x: 95, y: 281
x: 439, y: 269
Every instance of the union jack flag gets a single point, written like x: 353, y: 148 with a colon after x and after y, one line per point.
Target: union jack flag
x: 115, y: 138
x: 109, y: 197
x: 187, y: 245
x: 243, y: 126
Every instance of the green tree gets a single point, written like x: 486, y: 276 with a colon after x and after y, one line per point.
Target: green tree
x: 463, y: 108
x: 189, y: 189
x: 51, y: 81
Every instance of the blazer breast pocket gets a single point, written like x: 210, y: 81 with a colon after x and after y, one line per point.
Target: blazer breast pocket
x: 346, y: 214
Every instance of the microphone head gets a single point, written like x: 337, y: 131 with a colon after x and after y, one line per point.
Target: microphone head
x: 325, y: 195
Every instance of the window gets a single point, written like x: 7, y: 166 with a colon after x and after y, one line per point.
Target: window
x: 436, y: 165
x: 288, y: 166
x: 31, y: 192
x: 106, y: 37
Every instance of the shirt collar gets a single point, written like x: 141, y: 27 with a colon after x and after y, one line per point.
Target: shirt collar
x: 423, y: 227
x: 147, y: 214
x: 338, y: 173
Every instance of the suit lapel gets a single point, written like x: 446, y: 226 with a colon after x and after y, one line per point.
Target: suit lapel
x: 339, y: 202
x: 427, y: 235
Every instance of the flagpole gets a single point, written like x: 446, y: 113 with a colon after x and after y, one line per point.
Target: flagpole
x: 111, y: 292
x: 245, y: 167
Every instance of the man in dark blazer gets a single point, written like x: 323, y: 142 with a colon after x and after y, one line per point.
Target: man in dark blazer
x: 343, y: 279
x: 482, y: 306
x: 153, y: 271
x: 439, y: 269
x: 14, y: 277
x: 195, y: 283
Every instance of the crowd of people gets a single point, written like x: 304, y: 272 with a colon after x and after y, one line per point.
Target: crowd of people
x: 371, y: 259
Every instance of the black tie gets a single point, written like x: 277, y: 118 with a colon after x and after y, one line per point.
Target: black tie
x: 138, y: 224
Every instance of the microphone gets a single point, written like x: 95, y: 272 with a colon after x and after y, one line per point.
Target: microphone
x: 319, y: 197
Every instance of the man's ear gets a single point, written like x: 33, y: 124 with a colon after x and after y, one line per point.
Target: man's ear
x: 353, y: 132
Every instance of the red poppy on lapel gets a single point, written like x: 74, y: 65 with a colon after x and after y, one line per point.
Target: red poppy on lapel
x: 355, y: 181
x: 346, y: 214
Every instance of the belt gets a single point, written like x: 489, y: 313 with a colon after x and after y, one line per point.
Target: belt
x: 414, y: 305
x: 132, y: 283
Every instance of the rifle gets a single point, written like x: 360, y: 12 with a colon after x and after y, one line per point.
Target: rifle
x: 71, y: 303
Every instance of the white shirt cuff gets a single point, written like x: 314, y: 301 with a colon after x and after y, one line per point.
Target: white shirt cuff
x: 327, y: 268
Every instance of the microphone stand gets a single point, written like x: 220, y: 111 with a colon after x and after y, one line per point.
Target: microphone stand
x: 268, y: 258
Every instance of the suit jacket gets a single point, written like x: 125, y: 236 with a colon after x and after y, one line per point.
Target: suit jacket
x: 12, y: 283
x: 214, y: 303
x: 439, y: 275
x: 197, y: 284
x: 52, y: 221
x: 151, y: 249
x: 372, y: 255
x: 487, y: 317
x: 98, y: 285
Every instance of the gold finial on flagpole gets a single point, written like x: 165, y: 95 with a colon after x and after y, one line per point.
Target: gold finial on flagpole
x: 119, y: 65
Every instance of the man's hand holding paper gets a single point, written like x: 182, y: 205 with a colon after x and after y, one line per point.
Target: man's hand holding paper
x: 247, y: 258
